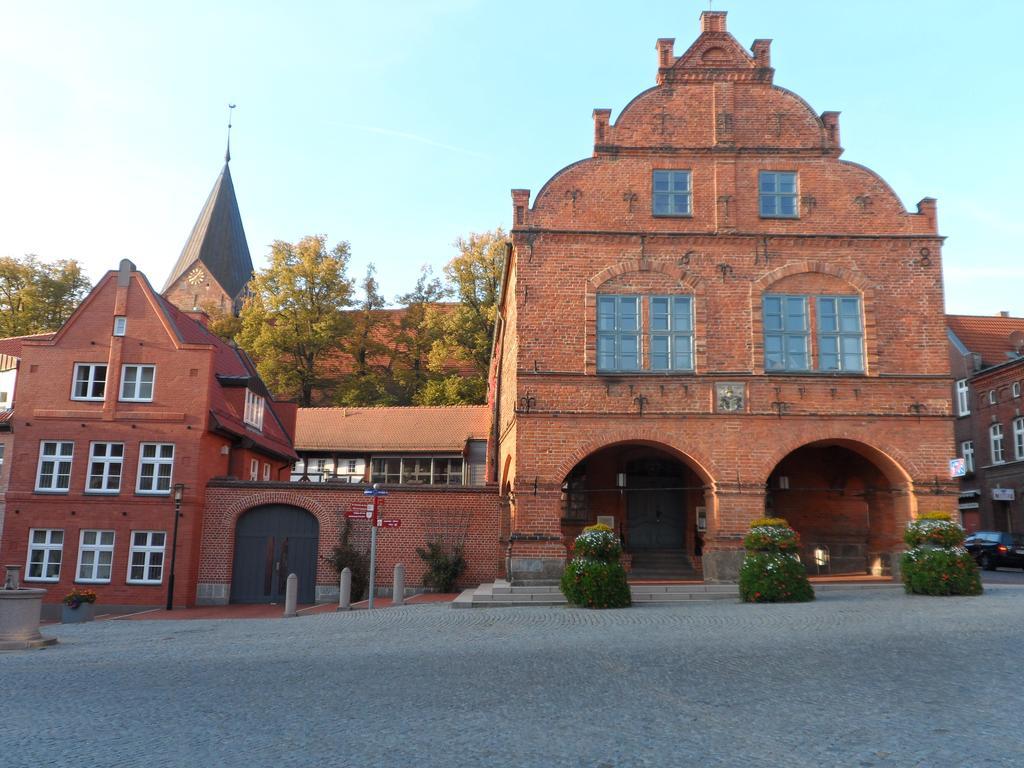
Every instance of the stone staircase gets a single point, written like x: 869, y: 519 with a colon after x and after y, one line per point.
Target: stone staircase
x: 502, y: 594
x: 665, y: 565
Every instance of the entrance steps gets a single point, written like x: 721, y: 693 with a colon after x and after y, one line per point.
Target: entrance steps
x: 665, y: 565
x: 502, y: 594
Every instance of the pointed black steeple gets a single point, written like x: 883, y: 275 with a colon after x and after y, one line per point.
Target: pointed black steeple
x: 217, y: 243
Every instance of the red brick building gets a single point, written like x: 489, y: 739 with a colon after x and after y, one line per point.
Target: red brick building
x: 987, y: 361
x: 712, y: 318
x: 128, y: 402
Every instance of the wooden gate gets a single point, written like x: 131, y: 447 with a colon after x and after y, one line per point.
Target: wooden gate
x: 271, y: 542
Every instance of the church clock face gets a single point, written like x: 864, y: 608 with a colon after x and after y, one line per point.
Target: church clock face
x: 195, y: 277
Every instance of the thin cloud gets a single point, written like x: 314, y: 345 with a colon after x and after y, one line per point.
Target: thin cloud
x: 416, y: 138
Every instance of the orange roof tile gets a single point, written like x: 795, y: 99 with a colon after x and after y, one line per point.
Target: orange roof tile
x: 391, y: 429
x: 988, y: 336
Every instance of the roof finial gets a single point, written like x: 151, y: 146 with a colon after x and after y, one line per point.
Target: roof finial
x: 227, y: 154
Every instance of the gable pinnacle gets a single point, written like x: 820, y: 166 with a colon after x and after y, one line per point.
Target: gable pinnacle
x: 227, y: 153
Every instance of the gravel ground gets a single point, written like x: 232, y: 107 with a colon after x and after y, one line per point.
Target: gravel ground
x: 853, y: 679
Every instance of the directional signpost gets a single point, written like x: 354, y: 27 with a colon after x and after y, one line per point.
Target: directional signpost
x: 371, y: 513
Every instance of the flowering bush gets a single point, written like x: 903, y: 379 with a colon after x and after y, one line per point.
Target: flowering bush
x: 595, y: 578
x: 937, y: 563
x: 771, y: 570
x: 935, y: 529
x: 599, y: 543
x: 771, y: 538
x: 76, y: 597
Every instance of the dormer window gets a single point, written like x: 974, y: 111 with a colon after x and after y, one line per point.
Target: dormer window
x: 254, y: 405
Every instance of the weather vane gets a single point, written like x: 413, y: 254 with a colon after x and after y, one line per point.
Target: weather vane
x: 227, y: 154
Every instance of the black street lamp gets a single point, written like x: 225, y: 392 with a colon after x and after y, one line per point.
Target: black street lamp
x: 179, y: 491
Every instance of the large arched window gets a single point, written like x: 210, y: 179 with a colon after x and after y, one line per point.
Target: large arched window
x: 636, y: 332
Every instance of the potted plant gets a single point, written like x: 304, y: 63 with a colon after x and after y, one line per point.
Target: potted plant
x: 79, y: 606
x: 771, y: 570
x: 937, y: 563
x: 595, y: 578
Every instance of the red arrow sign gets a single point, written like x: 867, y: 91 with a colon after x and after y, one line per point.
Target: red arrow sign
x: 389, y: 523
x: 356, y: 515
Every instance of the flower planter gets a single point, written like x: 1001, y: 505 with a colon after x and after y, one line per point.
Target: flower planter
x: 84, y: 612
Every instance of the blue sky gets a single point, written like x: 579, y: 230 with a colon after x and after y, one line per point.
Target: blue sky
x: 401, y: 126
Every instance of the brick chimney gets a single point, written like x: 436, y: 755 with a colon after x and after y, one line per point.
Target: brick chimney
x: 712, y: 21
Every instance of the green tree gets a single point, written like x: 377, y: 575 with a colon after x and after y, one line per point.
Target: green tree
x: 36, y: 297
x: 295, y: 316
x: 465, y: 333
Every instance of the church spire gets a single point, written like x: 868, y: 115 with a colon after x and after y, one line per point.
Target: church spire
x: 227, y: 153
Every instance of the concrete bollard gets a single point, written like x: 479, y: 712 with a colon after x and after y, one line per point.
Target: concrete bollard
x: 291, y: 596
x: 345, y: 593
x: 398, y: 590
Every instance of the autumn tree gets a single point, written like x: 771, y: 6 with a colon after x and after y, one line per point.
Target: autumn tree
x: 36, y: 297
x: 415, y: 337
x: 295, y: 316
x: 465, y: 333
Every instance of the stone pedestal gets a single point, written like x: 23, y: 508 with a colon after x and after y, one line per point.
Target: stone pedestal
x: 722, y: 565
x: 19, y: 619
x: 84, y: 612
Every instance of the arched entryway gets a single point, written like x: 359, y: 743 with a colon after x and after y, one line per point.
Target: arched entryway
x: 849, y: 502
x: 651, y: 497
x: 271, y: 542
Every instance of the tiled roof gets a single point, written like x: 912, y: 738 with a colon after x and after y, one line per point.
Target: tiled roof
x: 12, y: 345
x: 229, y: 361
x: 391, y: 429
x: 988, y: 336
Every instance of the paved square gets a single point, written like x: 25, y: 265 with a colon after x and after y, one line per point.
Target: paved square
x: 853, y: 679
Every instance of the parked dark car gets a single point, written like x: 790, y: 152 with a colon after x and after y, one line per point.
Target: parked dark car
x: 993, y: 549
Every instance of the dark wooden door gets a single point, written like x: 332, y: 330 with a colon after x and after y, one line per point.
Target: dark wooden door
x: 270, y: 543
x: 656, y: 518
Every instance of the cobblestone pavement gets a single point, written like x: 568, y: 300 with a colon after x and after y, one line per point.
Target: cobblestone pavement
x: 853, y: 679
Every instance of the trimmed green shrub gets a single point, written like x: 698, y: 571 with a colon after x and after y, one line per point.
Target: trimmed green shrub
x: 774, y: 577
x: 595, y: 584
x: 946, y: 571
x: 937, y: 563
x: 595, y: 578
x: 771, y: 570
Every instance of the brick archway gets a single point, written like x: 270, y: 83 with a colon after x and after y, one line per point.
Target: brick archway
x: 849, y: 501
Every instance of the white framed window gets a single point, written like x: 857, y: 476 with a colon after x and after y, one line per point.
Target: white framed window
x: 1018, y: 438
x: 1016, y: 389
x: 54, y: 471
x: 995, y: 438
x: 120, y: 325
x: 45, y: 547
x: 266, y: 472
x: 137, y: 383
x: 992, y: 398
x: 352, y: 466
x: 156, y: 466
x: 254, y: 405
x: 963, y: 398
x: 106, y: 460
x: 90, y: 381
x: 967, y: 452
x: 146, y: 557
x: 254, y: 469
x: 95, y: 556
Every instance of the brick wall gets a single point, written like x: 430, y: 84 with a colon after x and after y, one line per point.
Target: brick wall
x: 423, y: 512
